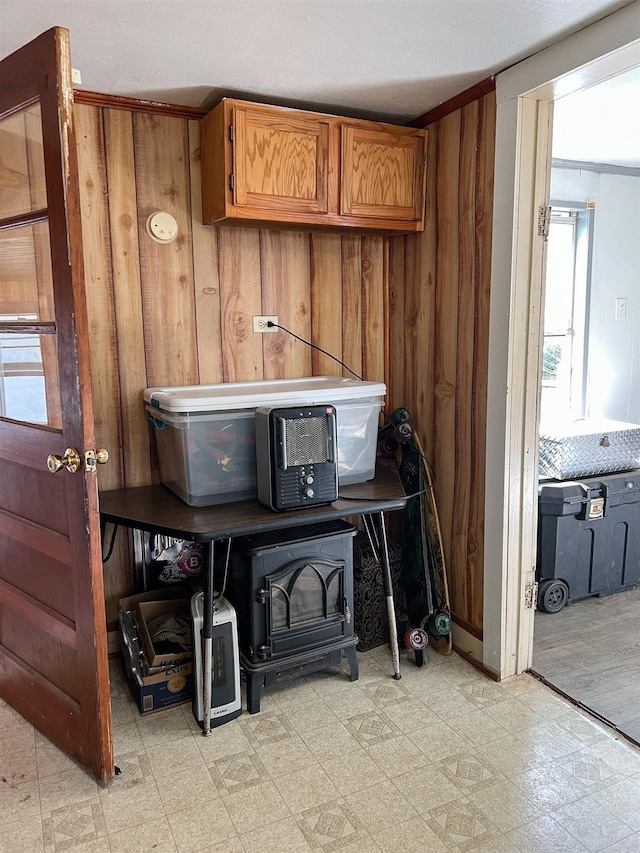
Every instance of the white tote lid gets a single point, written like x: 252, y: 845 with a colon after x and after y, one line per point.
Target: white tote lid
x: 274, y: 392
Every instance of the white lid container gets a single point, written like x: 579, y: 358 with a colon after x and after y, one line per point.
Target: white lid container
x: 274, y: 392
x: 206, y: 436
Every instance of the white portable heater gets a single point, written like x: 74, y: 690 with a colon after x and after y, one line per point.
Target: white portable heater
x: 225, y: 662
x: 296, y: 456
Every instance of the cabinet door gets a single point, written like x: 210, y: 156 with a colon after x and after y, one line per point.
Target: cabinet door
x: 382, y: 174
x: 280, y: 161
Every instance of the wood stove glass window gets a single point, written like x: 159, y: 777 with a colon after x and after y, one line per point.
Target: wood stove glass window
x: 306, y: 592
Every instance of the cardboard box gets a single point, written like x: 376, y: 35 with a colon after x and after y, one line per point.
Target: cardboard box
x: 173, y: 685
x: 168, y: 593
x: 167, y: 689
x: 148, y: 611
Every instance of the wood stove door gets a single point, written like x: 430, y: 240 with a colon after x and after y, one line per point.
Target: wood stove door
x: 306, y: 607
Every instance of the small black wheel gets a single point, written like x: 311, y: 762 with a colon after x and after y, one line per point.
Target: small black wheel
x: 416, y: 638
x: 552, y: 595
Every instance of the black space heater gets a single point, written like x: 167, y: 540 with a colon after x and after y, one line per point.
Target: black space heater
x: 296, y: 455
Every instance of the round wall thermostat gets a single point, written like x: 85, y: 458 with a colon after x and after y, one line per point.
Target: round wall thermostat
x: 162, y: 227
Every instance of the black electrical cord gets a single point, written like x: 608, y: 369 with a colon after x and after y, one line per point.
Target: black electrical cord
x: 226, y: 570
x: 375, y: 500
x: 111, y: 544
x: 271, y: 324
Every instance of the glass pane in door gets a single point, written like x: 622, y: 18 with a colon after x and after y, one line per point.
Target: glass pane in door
x: 22, y: 182
x: 29, y: 381
x: 26, y: 284
x: 29, y: 386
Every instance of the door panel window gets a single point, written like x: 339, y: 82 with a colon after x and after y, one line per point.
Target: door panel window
x: 29, y: 387
x: 26, y: 286
x: 29, y: 382
x: 22, y: 183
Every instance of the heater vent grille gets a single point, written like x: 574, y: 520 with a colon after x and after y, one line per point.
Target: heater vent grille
x: 306, y: 441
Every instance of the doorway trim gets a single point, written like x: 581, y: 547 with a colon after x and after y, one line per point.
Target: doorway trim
x: 524, y: 97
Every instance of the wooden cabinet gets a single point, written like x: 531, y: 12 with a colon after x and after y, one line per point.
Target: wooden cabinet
x: 264, y: 165
x: 382, y: 174
x: 279, y: 161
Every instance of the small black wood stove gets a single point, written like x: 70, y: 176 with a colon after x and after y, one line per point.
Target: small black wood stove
x: 293, y: 594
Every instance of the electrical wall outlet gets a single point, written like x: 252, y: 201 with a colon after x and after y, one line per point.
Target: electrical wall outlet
x: 260, y: 324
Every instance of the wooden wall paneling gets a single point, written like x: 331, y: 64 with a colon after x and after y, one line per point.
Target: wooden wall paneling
x: 125, y: 263
x: 419, y: 336
x: 444, y: 362
x: 286, y: 293
x: 206, y: 274
x: 483, y: 235
x: 423, y: 352
x: 327, y: 321
x: 419, y: 346
x: 136, y: 105
x: 446, y: 331
x: 413, y: 377
x: 418, y: 354
x: 365, y: 288
x: 467, y: 343
x: 373, y: 310
x: 396, y: 395
x: 105, y: 372
x: 99, y: 289
x: 240, y: 300
x: 473, y: 93
x: 162, y: 168
x: 352, y: 303
x: 396, y: 337
x: 386, y: 297
x: 390, y: 308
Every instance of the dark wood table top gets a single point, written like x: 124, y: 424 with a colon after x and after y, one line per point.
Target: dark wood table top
x: 156, y: 509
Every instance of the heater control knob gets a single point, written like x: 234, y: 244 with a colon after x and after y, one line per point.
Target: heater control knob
x: 308, y: 479
x: 309, y: 493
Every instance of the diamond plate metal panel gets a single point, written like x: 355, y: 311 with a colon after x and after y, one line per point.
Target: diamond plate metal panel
x: 584, y: 449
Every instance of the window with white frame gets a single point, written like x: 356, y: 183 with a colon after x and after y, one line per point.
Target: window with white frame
x: 565, y: 335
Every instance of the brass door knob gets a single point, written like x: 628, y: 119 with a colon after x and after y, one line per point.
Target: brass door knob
x: 93, y: 457
x: 70, y: 461
x: 55, y: 463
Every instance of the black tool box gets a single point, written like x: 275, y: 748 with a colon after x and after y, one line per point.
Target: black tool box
x: 588, y: 538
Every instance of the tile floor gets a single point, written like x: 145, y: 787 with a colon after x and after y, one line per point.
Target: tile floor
x: 443, y: 760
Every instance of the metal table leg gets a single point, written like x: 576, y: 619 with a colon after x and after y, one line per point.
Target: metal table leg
x: 207, y: 633
x: 378, y: 521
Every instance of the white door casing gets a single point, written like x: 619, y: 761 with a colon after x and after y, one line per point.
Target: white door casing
x: 524, y: 95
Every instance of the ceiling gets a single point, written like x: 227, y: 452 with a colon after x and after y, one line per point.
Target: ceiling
x: 392, y: 59
x: 600, y: 124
